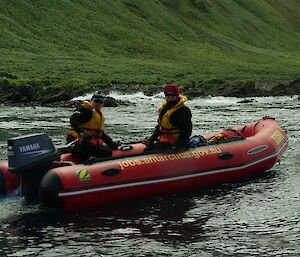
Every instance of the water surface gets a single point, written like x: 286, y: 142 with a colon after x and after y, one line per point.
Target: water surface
x: 258, y: 217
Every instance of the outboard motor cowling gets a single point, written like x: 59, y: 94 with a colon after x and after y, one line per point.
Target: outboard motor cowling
x: 30, y: 157
x: 29, y: 151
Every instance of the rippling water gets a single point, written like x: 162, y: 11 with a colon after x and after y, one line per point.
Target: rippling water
x: 259, y: 217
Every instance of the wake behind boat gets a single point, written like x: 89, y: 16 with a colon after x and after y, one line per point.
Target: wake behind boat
x: 131, y: 173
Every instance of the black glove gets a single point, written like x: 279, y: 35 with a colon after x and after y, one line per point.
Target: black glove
x: 86, y: 136
x: 180, y: 148
x: 113, y: 145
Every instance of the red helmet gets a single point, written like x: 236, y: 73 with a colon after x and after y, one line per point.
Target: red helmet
x: 172, y: 88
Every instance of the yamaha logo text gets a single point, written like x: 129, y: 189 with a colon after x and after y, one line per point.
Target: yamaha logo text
x: 29, y: 148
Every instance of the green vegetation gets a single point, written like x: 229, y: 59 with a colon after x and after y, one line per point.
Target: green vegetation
x: 62, y: 42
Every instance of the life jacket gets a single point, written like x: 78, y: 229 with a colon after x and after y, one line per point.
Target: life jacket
x: 169, y: 133
x: 94, y: 126
x: 225, y: 135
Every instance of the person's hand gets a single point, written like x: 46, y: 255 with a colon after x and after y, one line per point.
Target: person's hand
x: 180, y: 148
x: 146, y: 142
x: 114, y: 145
x: 86, y: 136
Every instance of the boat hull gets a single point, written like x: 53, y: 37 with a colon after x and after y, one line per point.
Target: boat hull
x: 9, y: 181
x: 81, y: 186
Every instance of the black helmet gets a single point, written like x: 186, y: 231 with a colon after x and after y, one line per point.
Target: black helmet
x: 97, y: 96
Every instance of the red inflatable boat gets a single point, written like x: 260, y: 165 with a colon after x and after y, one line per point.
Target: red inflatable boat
x: 9, y: 181
x: 246, y: 150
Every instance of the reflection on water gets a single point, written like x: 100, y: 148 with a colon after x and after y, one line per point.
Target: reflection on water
x: 257, y: 217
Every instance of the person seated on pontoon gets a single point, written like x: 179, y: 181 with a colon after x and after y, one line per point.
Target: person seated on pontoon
x: 87, y: 130
x: 174, y: 126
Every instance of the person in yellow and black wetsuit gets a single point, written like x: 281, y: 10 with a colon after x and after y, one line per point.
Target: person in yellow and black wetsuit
x: 174, y: 123
x: 87, y: 124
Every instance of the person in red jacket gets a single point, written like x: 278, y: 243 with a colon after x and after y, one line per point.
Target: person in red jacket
x: 87, y: 130
x: 174, y: 126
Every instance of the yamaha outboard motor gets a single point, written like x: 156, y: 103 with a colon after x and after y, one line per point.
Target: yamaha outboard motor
x: 30, y: 157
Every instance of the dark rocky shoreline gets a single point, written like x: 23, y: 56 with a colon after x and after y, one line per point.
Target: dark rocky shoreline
x: 108, y: 102
x: 244, y: 89
x: 60, y: 96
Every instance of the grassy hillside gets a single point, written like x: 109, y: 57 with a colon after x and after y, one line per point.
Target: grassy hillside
x: 149, y: 41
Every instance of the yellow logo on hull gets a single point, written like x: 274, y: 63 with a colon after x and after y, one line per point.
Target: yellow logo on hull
x: 84, y: 175
x: 278, y: 137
